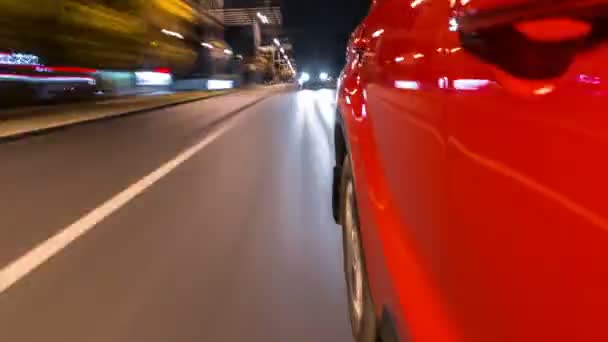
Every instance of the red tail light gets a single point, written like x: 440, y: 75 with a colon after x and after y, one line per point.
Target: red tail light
x: 163, y: 70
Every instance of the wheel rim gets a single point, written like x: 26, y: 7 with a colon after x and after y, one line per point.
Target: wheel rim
x: 354, y: 268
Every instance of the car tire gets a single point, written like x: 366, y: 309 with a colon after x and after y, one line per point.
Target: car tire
x: 360, y: 303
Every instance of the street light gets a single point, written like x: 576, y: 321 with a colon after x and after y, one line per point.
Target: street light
x: 172, y: 34
x: 207, y: 45
x: 263, y: 18
x: 277, y: 42
x: 290, y: 66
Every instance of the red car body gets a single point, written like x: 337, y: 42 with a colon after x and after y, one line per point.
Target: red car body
x: 478, y: 136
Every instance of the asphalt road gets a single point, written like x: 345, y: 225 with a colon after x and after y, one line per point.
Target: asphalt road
x: 187, y: 229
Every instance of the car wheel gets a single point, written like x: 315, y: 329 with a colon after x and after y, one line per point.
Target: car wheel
x: 360, y: 304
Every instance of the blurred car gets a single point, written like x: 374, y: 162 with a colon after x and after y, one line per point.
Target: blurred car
x: 470, y: 175
x: 321, y: 81
x: 23, y: 79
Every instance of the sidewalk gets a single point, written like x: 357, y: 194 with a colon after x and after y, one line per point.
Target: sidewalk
x: 23, y: 121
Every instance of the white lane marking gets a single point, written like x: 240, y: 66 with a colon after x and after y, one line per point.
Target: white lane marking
x: 27, y: 263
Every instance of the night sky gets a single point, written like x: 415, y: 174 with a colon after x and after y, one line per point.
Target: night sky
x: 320, y: 29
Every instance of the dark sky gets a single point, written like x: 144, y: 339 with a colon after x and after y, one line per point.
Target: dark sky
x: 320, y: 29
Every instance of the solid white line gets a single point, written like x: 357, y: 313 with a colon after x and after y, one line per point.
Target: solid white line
x: 25, y: 264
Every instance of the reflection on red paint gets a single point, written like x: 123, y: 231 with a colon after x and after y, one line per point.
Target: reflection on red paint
x: 544, y: 90
x: 404, y: 84
x: 470, y: 84
x: 552, y: 30
x: 484, y: 174
x: 415, y: 3
x: 588, y: 79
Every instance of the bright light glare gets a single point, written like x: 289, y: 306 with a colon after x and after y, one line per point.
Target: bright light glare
x: 453, y: 25
x: 415, y: 3
x: 19, y: 58
x: 228, y: 52
x: 220, y: 84
x: 470, y: 84
x: 172, y: 34
x: 589, y: 79
x: 263, y: 18
x: 378, y: 33
x: 152, y: 78
x: 207, y: 45
x: 305, y: 77
x: 544, y: 90
x: 276, y: 41
x: 323, y: 76
x: 412, y: 85
x: 46, y: 79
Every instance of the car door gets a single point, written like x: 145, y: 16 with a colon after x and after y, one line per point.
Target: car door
x: 405, y: 160
x: 525, y: 237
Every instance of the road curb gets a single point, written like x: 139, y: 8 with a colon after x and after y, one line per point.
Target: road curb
x: 45, y: 130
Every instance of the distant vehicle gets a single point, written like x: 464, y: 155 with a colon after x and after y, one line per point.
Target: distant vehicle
x: 470, y: 180
x: 320, y: 81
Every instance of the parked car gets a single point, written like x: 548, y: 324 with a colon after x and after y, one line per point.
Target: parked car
x: 470, y: 180
x: 24, y: 80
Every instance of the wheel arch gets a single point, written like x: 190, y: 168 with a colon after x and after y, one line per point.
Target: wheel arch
x: 387, y: 330
x: 340, y: 152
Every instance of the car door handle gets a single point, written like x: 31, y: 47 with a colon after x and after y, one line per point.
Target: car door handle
x: 533, y: 41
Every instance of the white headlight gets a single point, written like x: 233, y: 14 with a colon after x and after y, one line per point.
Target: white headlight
x: 305, y: 77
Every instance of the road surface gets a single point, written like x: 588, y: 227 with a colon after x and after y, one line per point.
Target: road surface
x: 171, y: 226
